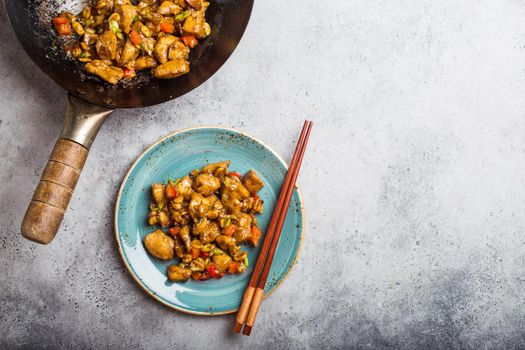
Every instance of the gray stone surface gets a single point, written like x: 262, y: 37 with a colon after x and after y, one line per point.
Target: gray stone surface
x: 414, y: 184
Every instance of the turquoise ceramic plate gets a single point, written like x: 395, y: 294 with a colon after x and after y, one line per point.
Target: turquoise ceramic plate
x: 175, y: 156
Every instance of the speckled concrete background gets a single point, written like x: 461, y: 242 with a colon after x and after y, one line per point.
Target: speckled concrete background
x: 414, y: 184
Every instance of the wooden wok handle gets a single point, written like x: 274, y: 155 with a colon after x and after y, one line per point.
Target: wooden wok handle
x: 52, y: 195
x: 51, y: 198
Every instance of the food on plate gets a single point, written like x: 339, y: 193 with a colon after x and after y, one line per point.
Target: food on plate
x: 159, y: 245
x: 206, y: 216
x: 117, y: 38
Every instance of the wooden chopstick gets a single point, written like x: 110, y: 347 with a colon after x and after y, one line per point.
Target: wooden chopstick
x: 259, y: 292
x: 242, y: 315
x: 250, y: 289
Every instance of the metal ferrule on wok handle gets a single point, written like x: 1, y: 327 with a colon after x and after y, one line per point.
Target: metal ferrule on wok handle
x: 59, y: 178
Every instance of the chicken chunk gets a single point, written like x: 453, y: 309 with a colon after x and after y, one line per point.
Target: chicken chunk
x: 179, y: 247
x: 158, y: 192
x: 109, y: 73
x: 232, y: 194
x: 127, y: 12
x: 210, y: 168
x: 184, y: 187
x: 178, y: 274
x: 244, y: 231
x: 184, y: 235
x: 171, y: 69
x: 196, y: 4
x: 169, y: 8
x: 252, y: 182
x: 222, y: 262
x: 200, y: 205
x: 195, y: 24
x: 178, y: 51
x: 235, y: 185
x: 225, y: 242
x: 128, y: 55
x: 210, y: 232
x: 106, y: 45
x: 159, y: 245
x: 163, y: 46
x: 210, y: 200
x: 206, y: 184
x: 144, y: 62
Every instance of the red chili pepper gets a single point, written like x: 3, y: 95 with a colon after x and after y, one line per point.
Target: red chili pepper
x: 212, y: 270
x: 221, y: 275
x: 204, y: 276
x: 205, y: 254
x: 235, y: 174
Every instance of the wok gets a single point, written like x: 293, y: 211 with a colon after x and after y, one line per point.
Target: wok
x: 91, y: 100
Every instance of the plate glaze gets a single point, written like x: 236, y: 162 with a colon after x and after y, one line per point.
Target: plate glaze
x: 175, y: 156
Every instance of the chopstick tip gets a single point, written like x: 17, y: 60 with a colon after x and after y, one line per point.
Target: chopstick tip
x: 237, y: 327
x: 247, y: 330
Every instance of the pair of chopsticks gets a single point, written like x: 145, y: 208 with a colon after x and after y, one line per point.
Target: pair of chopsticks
x: 253, y: 294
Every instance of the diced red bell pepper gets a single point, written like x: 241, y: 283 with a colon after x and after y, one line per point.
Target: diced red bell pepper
x: 62, y: 25
x: 233, y: 267
x: 174, y: 231
x: 190, y: 40
x: 135, y: 37
x: 129, y: 73
x: 171, y: 191
x: 256, y: 235
x: 167, y: 27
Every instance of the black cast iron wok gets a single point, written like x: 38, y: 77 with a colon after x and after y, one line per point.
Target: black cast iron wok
x: 91, y: 100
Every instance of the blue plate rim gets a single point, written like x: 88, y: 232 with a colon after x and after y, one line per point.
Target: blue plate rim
x: 123, y: 255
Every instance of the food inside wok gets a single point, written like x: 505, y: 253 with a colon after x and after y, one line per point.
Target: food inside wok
x: 117, y: 38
